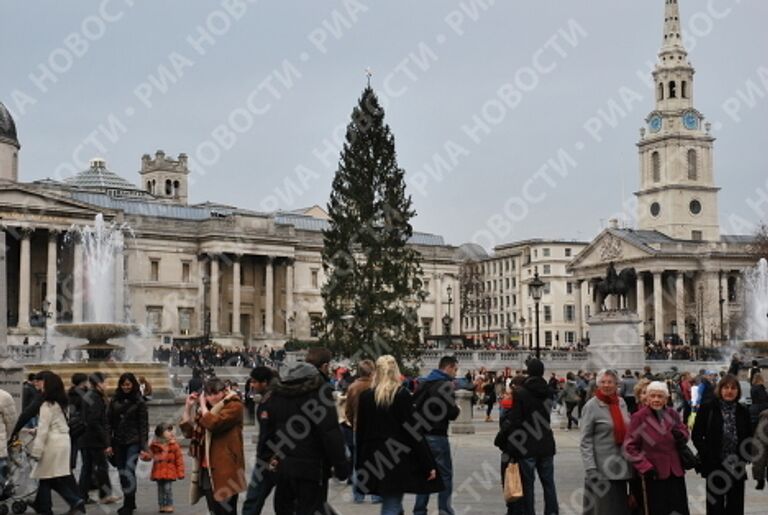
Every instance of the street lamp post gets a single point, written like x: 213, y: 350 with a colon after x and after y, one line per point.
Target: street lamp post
x: 522, y: 329
x: 447, y: 319
x: 536, y: 287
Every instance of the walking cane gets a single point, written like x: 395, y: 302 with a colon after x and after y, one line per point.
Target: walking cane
x: 645, y: 497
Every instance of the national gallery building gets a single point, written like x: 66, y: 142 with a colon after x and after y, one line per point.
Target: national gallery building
x: 183, y: 270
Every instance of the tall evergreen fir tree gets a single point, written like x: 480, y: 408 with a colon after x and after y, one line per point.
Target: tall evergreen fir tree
x: 374, y: 283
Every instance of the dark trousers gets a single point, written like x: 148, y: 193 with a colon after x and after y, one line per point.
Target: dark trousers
x: 666, y: 496
x: 294, y: 496
x: 725, y: 494
x: 126, y: 457
x: 545, y: 468
x: 65, y: 486
x: 226, y: 507
x: 569, y: 407
x: 261, y: 485
x: 94, y: 466
x: 632, y: 405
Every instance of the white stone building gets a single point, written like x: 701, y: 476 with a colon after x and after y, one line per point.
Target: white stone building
x: 497, y: 303
x: 249, y: 278
x: 688, y: 273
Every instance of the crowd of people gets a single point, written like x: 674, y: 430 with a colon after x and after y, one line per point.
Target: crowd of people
x: 195, y: 356
x: 387, y: 435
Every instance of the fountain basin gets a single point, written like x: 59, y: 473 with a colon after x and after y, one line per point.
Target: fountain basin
x: 759, y: 347
x: 97, y: 333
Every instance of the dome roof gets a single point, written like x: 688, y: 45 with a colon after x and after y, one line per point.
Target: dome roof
x: 99, y: 177
x: 7, y: 127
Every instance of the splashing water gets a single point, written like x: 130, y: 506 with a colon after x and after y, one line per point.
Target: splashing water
x: 102, y: 245
x: 756, y: 305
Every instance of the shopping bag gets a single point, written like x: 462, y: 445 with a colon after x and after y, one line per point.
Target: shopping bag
x: 513, y: 483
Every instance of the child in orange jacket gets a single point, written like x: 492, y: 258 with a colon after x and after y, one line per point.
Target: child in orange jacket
x: 167, y: 465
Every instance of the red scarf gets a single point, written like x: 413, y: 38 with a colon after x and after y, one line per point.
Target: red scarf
x: 619, y: 428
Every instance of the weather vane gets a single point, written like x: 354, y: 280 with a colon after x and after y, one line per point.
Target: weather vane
x: 369, y: 73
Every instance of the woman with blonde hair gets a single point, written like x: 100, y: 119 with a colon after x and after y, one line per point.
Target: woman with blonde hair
x: 640, y: 392
x: 391, y: 460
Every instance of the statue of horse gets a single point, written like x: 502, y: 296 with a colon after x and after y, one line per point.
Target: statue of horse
x: 616, y: 283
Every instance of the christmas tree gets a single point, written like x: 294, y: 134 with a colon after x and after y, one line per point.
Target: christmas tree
x: 374, y: 287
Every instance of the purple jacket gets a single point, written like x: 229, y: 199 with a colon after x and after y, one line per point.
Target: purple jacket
x: 650, y: 445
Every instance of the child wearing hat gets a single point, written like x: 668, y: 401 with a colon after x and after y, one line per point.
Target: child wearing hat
x: 167, y: 465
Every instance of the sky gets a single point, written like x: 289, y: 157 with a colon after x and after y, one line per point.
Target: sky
x: 513, y: 120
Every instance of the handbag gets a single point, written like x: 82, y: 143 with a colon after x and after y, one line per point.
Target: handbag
x: 513, y: 483
x: 688, y: 459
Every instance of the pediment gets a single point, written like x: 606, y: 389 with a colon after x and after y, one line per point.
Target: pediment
x: 25, y: 204
x: 610, y: 247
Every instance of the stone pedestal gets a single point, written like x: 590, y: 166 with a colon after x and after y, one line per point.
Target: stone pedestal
x: 615, y: 341
x: 463, y: 424
x: 11, y: 379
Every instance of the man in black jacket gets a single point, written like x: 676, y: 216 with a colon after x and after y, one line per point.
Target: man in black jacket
x: 262, y: 480
x: 526, y: 438
x: 32, y: 399
x: 435, y: 404
x: 303, y: 438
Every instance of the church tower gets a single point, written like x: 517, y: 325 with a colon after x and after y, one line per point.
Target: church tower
x: 165, y: 178
x: 677, y: 195
x: 9, y: 147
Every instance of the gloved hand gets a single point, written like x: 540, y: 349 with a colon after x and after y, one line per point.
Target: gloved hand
x: 341, y: 471
x: 760, y: 484
x: 650, y: 475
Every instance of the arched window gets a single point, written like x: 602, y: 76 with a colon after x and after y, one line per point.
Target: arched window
x: 176, y: 188
x: 684, y: 89
x: 672, y: 89
x: 656, y: 167
x: 149, y: 186
x: 661, y: 91
x: 168, y: 187
x: 693, y: 168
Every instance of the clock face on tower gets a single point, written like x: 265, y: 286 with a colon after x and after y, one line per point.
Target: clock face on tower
x: 691, y: 120
x: 655, y: 123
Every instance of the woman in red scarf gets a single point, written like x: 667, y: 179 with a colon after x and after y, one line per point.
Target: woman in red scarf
x: 604, y: 422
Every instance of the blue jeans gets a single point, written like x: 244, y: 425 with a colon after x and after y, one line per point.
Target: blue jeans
x: 261, y: 485
x: 392, y: 504
x: 65, y: 486
x: 545, y: 467
x: 441, y: 451
x: 164, y: 493
x: 126, y: 458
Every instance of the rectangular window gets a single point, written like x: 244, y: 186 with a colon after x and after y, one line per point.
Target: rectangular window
x: 514, y: 300
x: 314, y: 278
x: 547, y: 288
x: 513, y: 264
x: 548, y: 314
x: 547, y: 269
x: 315, y: 324
x: 185, y: 267
x: 154, y: 319
x: 545, y: 252
x: 548, y: 338
x: 697, y: 236
x: 425, y: 287
x: 569, y: 312
x: 186, y: 315
x: 567, y: 252
x: 426, y: 326
x: 569, y: 288
x: 570, y: 337
x: 154, y: 270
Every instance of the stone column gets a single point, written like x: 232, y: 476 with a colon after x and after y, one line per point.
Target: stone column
x: 641, y: 300
x: 658, y: 306
x: 269, y: 297
x: 201, y: 269
x: 77, y: 283
x: 456, y: 307
x: 579, y: 310
x: 236, y: 295
x: 51, y: 293
x: 438, y: 304
x: 463, y: 424
x: 680, y: 303
x: 3, y: 297
x: 214, y: 301
x: 289, y: 318
x: 119, y: 279
x: 24, y: 278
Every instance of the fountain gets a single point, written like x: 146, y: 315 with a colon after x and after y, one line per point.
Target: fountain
x: 102, y: 248
x: 756, y: 309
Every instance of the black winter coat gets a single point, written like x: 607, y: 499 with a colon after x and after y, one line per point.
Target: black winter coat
x: 435, y: 402
x: 390, y: 460
x: 301, y: 423
x: 94, y: 413
x: 129, y: 421
x: 707, y: 435
x: 525, y: 429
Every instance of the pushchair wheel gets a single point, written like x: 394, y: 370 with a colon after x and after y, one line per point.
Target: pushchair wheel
x: 19, y: 507
x: 4, y: 509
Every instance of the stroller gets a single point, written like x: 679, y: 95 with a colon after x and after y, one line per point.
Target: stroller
x: 18, y: 490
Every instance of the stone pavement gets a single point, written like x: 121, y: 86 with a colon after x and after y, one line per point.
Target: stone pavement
x: 476, y: 481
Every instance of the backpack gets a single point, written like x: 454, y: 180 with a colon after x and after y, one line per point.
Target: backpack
x: 77, y: 425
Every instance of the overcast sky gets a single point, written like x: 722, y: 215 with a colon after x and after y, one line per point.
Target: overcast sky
x: 512, y: 119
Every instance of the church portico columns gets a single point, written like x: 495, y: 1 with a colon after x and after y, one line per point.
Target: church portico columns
x: 214, y: 300
x: 51, y: 278
x: 680, y: 303
x: 579, y: 311
x: 269, y: 297
x: 77, y: 286
x: 658, y: 306
x: 24, y: 277
x: 289, y: 316
x: 641, y: 301
x: 236, y: 294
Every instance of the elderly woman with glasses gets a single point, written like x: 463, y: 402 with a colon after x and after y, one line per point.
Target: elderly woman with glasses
x: 651, y: 446
x: 604, y: 423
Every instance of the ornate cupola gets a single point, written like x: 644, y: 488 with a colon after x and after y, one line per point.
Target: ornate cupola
x: 677, y: 195
x: 165, y: 178
x: 9, y: 147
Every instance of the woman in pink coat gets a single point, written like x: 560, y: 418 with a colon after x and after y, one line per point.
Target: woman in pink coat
x: 651, y: 446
